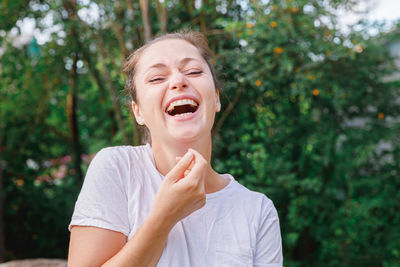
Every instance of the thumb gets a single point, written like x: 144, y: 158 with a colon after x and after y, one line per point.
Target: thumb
x: 178, y: 170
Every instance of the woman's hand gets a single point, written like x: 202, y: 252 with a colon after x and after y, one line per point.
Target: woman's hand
x: 182, y: 191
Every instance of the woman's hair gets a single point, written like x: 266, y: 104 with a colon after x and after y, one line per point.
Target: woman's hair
x: 197, y: 39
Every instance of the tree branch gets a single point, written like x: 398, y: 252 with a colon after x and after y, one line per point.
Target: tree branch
x: 227, y: 111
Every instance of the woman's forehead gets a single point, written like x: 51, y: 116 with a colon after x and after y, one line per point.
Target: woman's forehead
x: 170, y: 51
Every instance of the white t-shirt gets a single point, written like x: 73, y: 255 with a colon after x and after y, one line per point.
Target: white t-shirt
x: 236, y: 227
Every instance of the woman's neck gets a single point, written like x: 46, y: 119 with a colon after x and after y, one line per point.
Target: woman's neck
x: 165, y: 154
x: 165, y: 159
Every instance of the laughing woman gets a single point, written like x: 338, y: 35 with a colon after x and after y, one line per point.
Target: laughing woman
x: 163, y: 204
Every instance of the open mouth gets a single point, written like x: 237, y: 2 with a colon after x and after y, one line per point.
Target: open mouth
x: 182, y: 107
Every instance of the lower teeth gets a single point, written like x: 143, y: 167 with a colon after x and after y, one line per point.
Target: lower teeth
x: 183, y: 114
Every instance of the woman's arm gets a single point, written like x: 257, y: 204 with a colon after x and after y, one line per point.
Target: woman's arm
x: 269, y: 243
x: 176, y: 199
x: 93, y: 246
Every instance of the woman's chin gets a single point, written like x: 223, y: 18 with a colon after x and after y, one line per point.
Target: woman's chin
x: 186, y: 135
x: 186, y: 138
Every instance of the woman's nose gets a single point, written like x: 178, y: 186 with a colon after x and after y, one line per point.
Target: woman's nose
x: 178, y: 81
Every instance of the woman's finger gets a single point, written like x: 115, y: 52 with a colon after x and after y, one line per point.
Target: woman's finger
x: 177, y: 172
x: 198, y: 166
x: 189, y: 168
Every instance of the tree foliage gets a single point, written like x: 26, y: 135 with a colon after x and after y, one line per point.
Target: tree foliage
x: 309, y: 117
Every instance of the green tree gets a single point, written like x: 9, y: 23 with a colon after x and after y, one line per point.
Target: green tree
x: 314, y: 130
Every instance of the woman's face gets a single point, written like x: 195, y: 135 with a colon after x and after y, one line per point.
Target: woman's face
x: 176, y: 96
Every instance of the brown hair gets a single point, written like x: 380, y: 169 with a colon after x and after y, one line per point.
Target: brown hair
x: 197, y: 39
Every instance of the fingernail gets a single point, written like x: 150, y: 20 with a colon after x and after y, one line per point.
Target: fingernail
x: 188, y: 154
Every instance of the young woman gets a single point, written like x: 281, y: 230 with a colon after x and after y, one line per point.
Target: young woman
x: 163, y: 204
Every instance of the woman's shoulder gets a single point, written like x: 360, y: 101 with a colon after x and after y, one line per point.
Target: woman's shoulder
x: 118, y: 152
x: 122, y: 156
x: 248, y: 193
x: 120, y: 164
x: 251, y: 199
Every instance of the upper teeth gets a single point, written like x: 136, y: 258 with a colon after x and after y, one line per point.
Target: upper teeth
x: 181, y: 102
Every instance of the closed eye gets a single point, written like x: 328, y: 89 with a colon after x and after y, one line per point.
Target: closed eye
x: 156, y: 79
x: 195, y: 72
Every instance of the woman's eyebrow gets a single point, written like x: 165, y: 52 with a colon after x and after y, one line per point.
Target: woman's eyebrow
x: 182, y: 63
x: 186, y: 60
x: 156, y: 66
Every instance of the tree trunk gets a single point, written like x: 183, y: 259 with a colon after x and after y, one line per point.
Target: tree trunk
x: 95, y: 73
x: 144, y: 7
x: 73, y: 120
x: 202, y: 19
x: 162, y: 16
x: 203, y: 26
x: 113, y: 91
x: 2, y: 238
x: 188, y: 7
x: 71, y: 7
x: 131, y: 7
x: 118, y: 30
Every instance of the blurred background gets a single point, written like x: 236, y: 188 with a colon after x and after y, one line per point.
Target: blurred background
x: 311, y: 114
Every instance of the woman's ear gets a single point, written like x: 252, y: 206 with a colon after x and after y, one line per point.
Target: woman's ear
x: 138, y: 114
x: 217, y: 101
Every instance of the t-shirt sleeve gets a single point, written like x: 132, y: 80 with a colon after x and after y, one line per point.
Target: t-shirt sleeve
x: 269, y: 243
x: 102, y: 201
